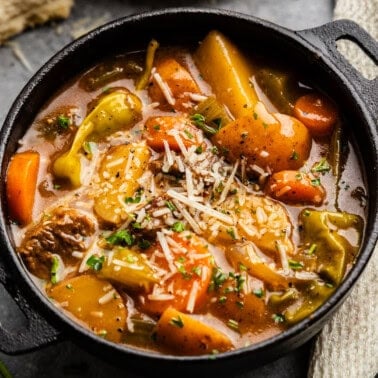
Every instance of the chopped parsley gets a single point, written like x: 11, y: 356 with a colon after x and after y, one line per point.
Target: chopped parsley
x: 136, y: 225
x: 217, y: 280
x: 306, y: 213
x: 315, y: 182
x: 122, y: 237
x: 294, y: 156
x: 295, y: 265
x: 63, y: 121
x: 135, y: 199
x: 233, y: 324
x: 197, y: 270
x: 156, y: 127
x: 188, y: 134
x: 95, y: 262
x: 178, y: 227
x: 222, y: 299
x: 329, y: 285
x: 177, y: 322
x: 255, y: 116
x: 258, y: 292
x: 312, y: 249
x: 199, y: 150
x: 54, y: 270
x: 321, y: 167
x: 278, y: 318
x: 199, y: 121
x: 144, y: 244
x: 231, y: 232
x: 170, y: 205
x: 215, y: 150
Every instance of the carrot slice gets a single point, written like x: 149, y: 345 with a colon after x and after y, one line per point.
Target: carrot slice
x: 159, y: 129
x: 21, y: 184
x: 317, y: 113
x: 177, y: 81
x: 185, y: 288
x: 295, y: 187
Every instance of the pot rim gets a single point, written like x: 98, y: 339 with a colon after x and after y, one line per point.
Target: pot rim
x: 65, y: 322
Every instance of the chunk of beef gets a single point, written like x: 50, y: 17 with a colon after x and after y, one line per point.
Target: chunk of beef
x: 63, y: 232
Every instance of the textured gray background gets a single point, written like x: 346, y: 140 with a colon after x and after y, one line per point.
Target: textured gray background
x: 66, y: 359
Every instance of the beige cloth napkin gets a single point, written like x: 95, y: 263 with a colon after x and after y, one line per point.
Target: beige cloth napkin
x: 348, y: 345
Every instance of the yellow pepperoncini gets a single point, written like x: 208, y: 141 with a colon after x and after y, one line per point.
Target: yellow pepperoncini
x: 114, y: 111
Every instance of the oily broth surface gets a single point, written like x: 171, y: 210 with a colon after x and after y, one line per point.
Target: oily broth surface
x: 74, y: 95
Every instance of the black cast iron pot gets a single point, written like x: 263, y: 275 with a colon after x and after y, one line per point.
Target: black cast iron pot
x: 313, y: 50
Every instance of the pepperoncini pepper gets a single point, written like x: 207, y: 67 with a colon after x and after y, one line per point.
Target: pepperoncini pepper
x: 114, y: 111
x: 337, y: 238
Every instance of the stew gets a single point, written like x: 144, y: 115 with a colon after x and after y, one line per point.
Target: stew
x: 188, y: 200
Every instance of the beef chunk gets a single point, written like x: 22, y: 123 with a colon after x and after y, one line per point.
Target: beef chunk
x: 63, y: 232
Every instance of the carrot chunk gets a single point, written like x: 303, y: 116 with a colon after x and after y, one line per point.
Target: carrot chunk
x: 185, y: 288
x: 158, y: 129
x: 21, y: 184
x: 317, y: 113
x: 295, y: 187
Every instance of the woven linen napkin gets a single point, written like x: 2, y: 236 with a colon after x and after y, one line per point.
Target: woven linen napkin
x: 348, y: 344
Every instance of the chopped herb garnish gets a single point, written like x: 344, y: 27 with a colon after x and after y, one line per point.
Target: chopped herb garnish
x: 239, y: 279
x: 102, y: 333
x: 122, y: 237
x: 294, y: 156
x: 199, y: 121
x: 156, y: 127
x: 222, y: 299
x: 131, y: 259
x: 135, y: 199
x: 177, y: 322
x: 144, y: 244
x: 298, y: 176
x: 265, y: 125
x: 170, y: 205
x: 315, y: 182
x: 231, y: 232
x: 57, y: 186
x: 295, y: 265
x: 242, y: 267
x: 233, y: 324
x: 178, y: 227
x: 136, y: 225
x: 321, y: 167
x: 312, y: 249
x: 184, y: 273
x: 258, y: 292
x: 215, y: 150
x: 255, y: 116
x: 240, y: 304
x: 199, y: 150
x: 197, y: 270
x: 306, y: 213
x: 278, y: 318
x: 95, y: 262
x: 218, y: 278
x: 224, y: 150
x: 63, y: 121
x: 54, y: 269
x: 329, y: 285
x: 188, y: 134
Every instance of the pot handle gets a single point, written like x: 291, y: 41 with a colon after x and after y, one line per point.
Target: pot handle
x: 38, y: 331
x: 325, y: 38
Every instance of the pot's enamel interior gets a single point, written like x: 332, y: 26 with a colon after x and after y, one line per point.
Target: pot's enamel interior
x: 92, y: 48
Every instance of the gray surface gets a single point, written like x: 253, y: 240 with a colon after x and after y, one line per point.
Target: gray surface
x: 65, y: 359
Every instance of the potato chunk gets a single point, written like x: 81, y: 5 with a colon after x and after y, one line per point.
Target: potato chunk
x: 93, y: 301
x: 119, y: 171
x: 186, y: 335
x: 228, y: 72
